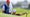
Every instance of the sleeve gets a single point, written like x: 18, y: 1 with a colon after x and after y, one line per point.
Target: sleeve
x: 10, y: 7
x: 3, y: 8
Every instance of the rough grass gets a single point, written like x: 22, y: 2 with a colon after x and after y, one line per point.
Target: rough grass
x: 19, y: 10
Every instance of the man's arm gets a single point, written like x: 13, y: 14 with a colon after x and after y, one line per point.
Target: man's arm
x: 3, y: 8
x: 10, y: 7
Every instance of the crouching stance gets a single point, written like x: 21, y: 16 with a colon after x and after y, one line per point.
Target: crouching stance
x: 5, y: 7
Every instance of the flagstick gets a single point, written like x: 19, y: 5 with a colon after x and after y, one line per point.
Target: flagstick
x: 26, y: 14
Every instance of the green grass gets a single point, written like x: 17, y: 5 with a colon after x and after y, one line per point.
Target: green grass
x: 18, y: 10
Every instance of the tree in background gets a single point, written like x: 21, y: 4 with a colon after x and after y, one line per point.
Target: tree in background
x: 29, y: 6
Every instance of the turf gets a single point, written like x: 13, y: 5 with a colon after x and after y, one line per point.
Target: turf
x: 18, y: 10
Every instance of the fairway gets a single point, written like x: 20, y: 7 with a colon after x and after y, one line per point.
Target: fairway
x: 19, y: 10
x: 8, y: 15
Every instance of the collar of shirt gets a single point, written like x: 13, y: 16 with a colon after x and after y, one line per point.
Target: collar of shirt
x: 7, y: 5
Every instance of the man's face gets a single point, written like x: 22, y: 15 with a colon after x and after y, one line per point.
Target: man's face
x: 8, y: 3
